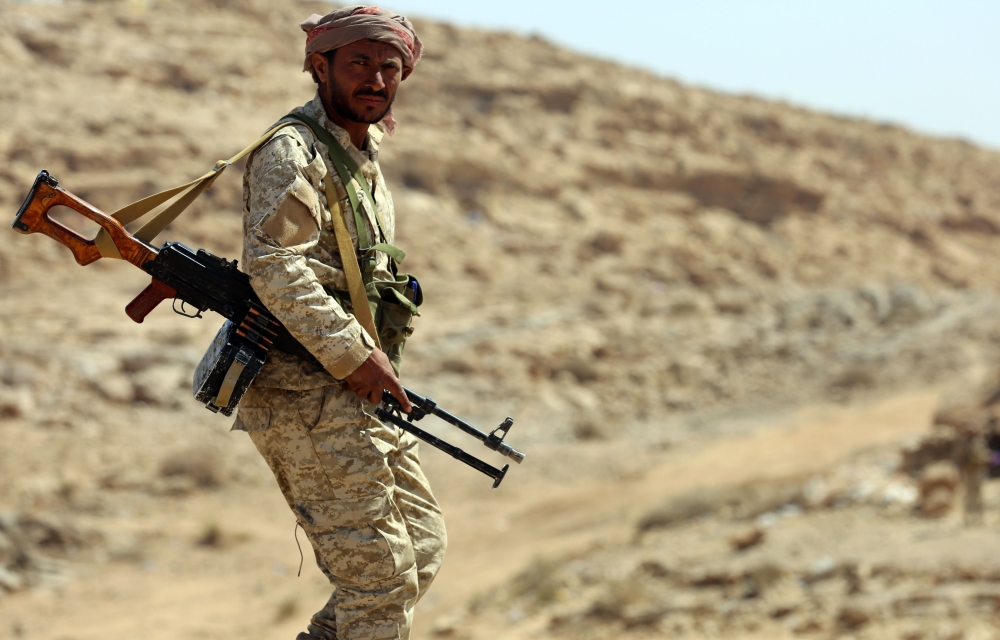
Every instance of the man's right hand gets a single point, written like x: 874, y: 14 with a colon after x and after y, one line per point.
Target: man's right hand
x: 375, y: 375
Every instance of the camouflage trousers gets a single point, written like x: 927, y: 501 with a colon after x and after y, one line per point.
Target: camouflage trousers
x: 356, y: 487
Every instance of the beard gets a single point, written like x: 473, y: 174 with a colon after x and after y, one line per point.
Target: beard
x: 340, y: 102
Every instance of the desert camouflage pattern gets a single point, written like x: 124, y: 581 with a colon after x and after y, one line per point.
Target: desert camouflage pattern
x: 357, y: 489
x: 354, y: 484
x: 290, y: 250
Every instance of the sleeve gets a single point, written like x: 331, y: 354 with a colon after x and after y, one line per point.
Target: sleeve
x: 281, y: 227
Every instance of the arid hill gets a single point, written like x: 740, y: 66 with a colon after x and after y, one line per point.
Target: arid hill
x: 609, y: 255
x: 600, y: 243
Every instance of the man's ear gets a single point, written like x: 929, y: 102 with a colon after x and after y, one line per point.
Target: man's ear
x: 406, y: 73
x: 321, y: 66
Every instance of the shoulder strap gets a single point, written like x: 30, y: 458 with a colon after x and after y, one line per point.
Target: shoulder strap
x: 193, y: 189
x: 349, y: 262
x: 346, y: 168
x: 159, y: 222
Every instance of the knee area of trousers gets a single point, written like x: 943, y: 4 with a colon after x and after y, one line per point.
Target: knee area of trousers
x: 430, y: 553
x: 439, y: 544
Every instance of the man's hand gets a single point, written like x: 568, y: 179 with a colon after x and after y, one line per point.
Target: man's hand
x: 375, y: 375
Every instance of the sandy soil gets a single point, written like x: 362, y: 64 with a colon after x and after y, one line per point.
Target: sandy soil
x: 716, y: 321
x: 168, y: 585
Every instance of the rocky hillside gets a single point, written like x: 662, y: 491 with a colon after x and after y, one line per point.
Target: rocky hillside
x: 607, y: 254
x: 600, y: 244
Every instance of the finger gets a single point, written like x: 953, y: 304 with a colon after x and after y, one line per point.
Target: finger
x: 377, y: 395
x: 396, y: 389
x: 362, y: 392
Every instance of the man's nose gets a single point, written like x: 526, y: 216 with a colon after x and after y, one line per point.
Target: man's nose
x: 376, y: 81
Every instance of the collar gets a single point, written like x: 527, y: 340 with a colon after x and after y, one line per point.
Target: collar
x: 314, y: 109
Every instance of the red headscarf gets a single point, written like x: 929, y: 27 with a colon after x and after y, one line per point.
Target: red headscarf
x: 359, y: 22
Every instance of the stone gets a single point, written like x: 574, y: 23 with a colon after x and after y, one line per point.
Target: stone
x: 938, y: 488
x: 747, y: 538
x: 10, y: 581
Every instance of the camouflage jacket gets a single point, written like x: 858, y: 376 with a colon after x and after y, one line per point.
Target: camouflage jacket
x: 290, y: 250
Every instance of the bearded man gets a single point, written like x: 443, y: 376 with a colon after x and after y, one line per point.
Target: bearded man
x: 354, y: 484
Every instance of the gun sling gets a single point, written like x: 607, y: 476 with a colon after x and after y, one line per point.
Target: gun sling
x: 346, y: 168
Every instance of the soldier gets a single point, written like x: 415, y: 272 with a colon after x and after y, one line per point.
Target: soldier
x: 354, y: 484
x: 971, y: 456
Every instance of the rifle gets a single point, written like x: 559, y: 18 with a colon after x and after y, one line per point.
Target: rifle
x: 209, y: 283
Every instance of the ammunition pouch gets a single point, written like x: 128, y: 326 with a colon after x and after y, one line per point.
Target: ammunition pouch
x: 394, y: 309
x: 393, y: 303
x: 227, y: 369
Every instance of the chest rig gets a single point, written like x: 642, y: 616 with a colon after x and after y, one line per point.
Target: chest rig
x: 385, y: 308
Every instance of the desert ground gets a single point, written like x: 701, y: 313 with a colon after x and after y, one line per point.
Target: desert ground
x: 734, y: 335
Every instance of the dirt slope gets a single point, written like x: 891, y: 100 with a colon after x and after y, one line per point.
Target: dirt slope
x: 613, y: 258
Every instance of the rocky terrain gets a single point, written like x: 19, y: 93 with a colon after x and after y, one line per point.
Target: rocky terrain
x: 636, y: 270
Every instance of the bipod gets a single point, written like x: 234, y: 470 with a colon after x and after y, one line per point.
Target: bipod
x: 391, y: 411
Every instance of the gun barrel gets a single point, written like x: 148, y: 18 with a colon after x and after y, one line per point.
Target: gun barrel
x: 427, y: 406
x: 510, y: 452
x: 450, y: 449
x: 430, y: 407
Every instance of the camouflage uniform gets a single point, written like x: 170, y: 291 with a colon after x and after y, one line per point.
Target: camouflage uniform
x: 355, y: 484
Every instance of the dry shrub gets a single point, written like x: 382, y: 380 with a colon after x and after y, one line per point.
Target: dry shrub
x: 540, y: 583
x: 588, y: 429
x: 617, y: 600
x: 286, y: 610
x: 211, y: 536
x: 747, y: 539
x: 694, y: 504
x: 746, y: 501
x: 854, y: 378
x: 199, y: 466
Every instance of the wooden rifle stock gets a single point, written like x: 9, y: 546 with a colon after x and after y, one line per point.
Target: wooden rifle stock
x: 33, y: 217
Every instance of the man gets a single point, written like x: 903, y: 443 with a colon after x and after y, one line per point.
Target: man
x: 972, y: 457
x: 354, y: 484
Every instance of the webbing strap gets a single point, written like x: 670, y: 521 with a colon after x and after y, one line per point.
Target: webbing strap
x: 159, y: 222
x: 347, y: 167
x: 229, y: 384
x: 349, y: 262
x: 395, y: 253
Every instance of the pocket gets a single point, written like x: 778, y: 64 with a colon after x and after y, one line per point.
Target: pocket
x: 252, y: 419
x: 395, y: 315
x: 310, y: 406
x: 316, y: 169
x: 351, y: 446
x: 363, y: 539
x: 396, y: 304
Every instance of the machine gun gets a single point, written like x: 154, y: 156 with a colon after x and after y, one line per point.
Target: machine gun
x: 392, y: 412
x: 209, y: 283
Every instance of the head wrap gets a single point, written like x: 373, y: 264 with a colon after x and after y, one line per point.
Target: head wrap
x: 350, y: 24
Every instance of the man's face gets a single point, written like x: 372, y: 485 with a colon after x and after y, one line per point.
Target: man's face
x: 361, y: 82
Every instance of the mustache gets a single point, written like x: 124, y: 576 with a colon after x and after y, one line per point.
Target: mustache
x: 371, y: 92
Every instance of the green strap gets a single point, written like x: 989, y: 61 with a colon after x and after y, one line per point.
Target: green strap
x: 343, y: 170
x: 395, y: 253
x: 347, y: 167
